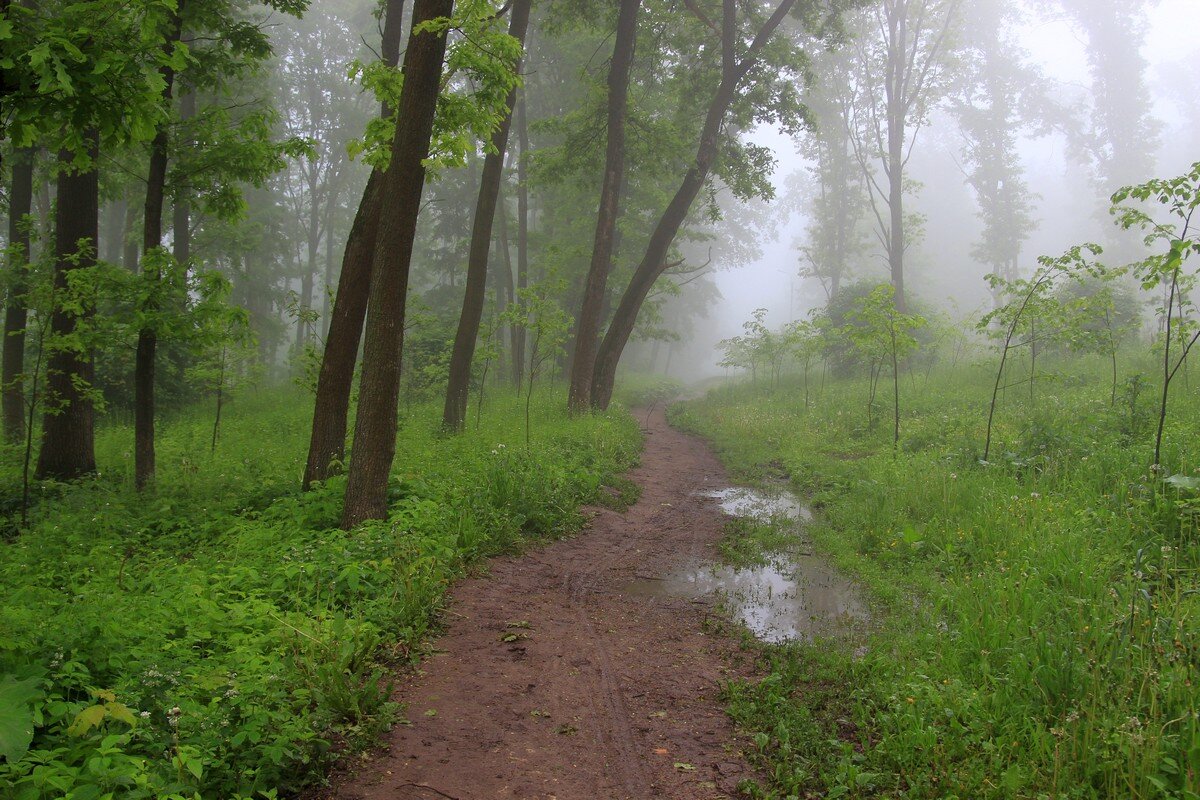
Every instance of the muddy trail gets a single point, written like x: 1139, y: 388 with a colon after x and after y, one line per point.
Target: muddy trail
x: 557, y: 678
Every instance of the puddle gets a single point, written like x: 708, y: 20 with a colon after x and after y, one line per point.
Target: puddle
x: 792, y: 596
x: 739, y: 502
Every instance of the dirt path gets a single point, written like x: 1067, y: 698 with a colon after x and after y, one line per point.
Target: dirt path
x: 605, y: 695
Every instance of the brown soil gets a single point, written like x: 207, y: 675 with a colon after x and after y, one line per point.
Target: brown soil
x: 596, y: 694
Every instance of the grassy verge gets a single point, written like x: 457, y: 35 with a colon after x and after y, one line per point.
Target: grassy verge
x: 220, y: 637
x: 1039, y: 615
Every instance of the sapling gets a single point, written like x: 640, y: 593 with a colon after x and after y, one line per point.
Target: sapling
x: 546, y: 325
x: 880, y: 332
x: 487, y: 351
x: 1178, y: 198
x: 1030, y: 299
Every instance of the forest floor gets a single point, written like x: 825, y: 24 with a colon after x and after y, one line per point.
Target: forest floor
x: 554, y: 681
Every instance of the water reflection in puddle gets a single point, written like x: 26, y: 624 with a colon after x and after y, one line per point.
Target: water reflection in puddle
x: 739, y: 502
x: 791, y: 596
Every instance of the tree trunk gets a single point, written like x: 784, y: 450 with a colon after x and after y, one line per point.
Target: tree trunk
x: 458, y: 389
x: 327, y: 279
x: 20, y: 205
x: 129, y: 248
x: 587, y: 327
x: 152, y: 233
x: 181, y: 223
x: 327, y: 445
x: 303, y: 325
x: 68, y: 425
x: 654, y: 260
x: 897, y: 58
x: 375, y: 425
x: 506, y: 282
x: 389, y: 49
x: 522, y: 121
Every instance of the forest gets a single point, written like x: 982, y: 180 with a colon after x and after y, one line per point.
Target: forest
x: 614, y: 399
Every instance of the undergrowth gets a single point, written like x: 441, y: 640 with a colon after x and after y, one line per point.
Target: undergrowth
x: 220, y: 636
x: 1039, y: 615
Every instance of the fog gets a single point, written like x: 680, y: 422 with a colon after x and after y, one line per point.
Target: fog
x: 1068, y: 207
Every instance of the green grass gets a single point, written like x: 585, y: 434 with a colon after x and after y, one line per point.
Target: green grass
x: 1039, y: 632
x: 220, y: 637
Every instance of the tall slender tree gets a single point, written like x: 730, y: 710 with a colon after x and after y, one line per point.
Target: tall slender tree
x: 588, y: 321
x: 734, y: 69
x: 518, y: 331
x: 327, y: 444
x: 402, y: 185
x: 68, y: 425
x: 20, y: 205
x: 999, y: 97
x: 459, y: 384
x: 152, y: 235
x: 903, y: 54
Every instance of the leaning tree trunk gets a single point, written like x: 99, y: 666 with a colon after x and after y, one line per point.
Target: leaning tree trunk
x: 458, y: 389
x: 654, y: 260
x: 152, y: 233
x: 327, y: 445
x: 20, y: 205
x: 68, y: 425
x: 587, y: 326
x: 402, y: 185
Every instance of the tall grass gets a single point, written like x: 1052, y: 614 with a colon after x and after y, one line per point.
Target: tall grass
x: 1039, y: 613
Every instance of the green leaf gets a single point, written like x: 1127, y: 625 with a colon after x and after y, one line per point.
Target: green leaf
x: 1185, y: 482
x: 16, y: 716
x: 89, y: 718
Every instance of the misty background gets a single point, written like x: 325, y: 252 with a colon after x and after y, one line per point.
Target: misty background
x: 1068, y: 207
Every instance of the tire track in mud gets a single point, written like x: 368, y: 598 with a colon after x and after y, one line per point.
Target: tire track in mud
x: 605, y: 695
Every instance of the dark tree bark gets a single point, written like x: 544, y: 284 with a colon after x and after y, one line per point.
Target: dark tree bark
x: 522, y: 122
x: 327, y: 445
x: 20, y: 205
x: 587, y: 324
x: 654, y: 260
x: 454, y: 413
x: 68, y: 426
x: 152, y: 234
x: 379, y: 391
x: 389, y: 46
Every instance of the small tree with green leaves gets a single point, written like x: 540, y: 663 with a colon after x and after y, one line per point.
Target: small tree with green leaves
x: 486, y: 352
x: 757, y: 346
x: 803, y: 341
x: 219, y: 336
x: 1029, y: 312
x: 1175, y: 200
x: 1100, y: 315
x: 546, y: 326
x: 880, y: 333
